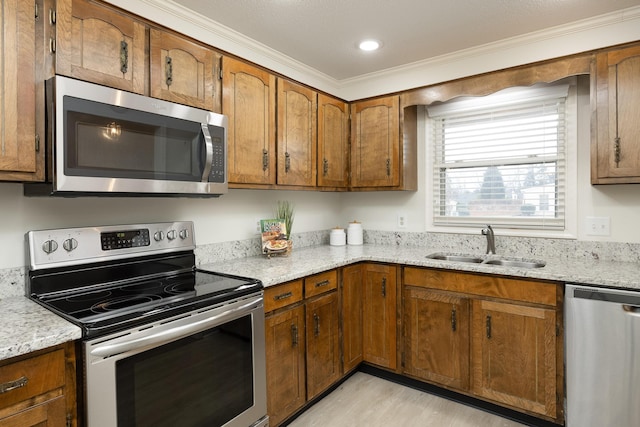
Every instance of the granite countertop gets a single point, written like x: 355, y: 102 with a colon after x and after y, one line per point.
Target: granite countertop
x: 306, y: 261
x: 28, y: 327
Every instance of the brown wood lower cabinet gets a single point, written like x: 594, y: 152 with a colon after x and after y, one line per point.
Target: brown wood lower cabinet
x: 492, y: 337
x: 302, y: 342
x: 379, y: 314
x: 39, y: 389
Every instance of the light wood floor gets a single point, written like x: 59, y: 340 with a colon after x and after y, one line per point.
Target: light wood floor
x: 365, y: 400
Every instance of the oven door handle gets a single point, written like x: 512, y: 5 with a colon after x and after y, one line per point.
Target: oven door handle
x: 169, y: 335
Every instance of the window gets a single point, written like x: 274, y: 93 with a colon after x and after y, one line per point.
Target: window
x: 502, y: 159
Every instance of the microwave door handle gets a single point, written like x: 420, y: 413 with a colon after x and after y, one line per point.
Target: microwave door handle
x: 208, y: 153
x: 166, y: 336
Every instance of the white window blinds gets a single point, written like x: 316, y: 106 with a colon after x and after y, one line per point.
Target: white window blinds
x: 500, y: 159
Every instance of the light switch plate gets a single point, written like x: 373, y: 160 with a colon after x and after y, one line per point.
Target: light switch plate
x: 598, y: 226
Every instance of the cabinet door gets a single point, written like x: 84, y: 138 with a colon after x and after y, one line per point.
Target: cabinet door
x: 333, y: 142
x: 48, y: 414
x: 514, y: 355
x: 101, y: 45
x: 297, y: 108
x: 379, y: 315
x: 376, y: 143
x: 285, y: 349
x: 17, y: 92
x: 618, y: 116
x: 183, y: 71
x: 437, y: 337
x: 248, y: 100
x: 323, y: 345
x: 351, y: 316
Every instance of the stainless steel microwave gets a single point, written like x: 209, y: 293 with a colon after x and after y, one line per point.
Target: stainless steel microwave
x: 108, y: 142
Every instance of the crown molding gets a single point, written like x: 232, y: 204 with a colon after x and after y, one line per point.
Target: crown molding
x: 601, y: 31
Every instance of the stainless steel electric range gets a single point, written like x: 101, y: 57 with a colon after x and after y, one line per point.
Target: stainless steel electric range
x: 164, y: 343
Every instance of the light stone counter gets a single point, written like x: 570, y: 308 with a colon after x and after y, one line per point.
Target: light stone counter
x: 27, y: 326
x: 306, y: 261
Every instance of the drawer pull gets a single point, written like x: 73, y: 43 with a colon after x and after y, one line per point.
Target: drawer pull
x: 12, y: 385
x: 322, y: 283
x: 283, y: 296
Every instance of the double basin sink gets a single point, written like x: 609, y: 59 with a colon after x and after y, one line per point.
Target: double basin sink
x: 494, y: 260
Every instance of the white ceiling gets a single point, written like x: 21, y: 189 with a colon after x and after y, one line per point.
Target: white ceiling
x: 323, y: 34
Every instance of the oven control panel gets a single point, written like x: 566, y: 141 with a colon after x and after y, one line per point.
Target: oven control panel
x: 73, y: 246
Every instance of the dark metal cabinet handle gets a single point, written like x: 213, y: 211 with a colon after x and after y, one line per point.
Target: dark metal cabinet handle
x: 316, y: 322
x: 287, y: 162
x: 294, y: 335
x: 325, y: 167
x: 322, y: 283
x: 388, y: 167
x: 488, y: 326
x: 265, y: 159
x: 454, y: 320
x: 124, y: 57
x: 616, y: 150
x: 12, y: 385
x: 384, y: 287
x: 283, y: 296
x: 168, y: 70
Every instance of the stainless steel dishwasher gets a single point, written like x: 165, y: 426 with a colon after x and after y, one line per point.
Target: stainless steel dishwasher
x: 602, y: 341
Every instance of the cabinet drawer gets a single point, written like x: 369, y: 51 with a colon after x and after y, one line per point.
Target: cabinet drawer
x: 320, y: 283
x: 31, y: 377
x: 282, y: 295
x: 483, y: 285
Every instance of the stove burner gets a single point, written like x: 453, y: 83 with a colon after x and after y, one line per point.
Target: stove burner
x: 90, y: 296
x: 145, y: 286
x: 122, y: 302
x: 179, y: 288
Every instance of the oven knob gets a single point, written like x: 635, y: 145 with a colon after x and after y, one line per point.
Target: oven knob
x: 184, y: 233
x: 50, y: 246
x: 70, y: 244
x: 158, y: 235
x: 171, y: 234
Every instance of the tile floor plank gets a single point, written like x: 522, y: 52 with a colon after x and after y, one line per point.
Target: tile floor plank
x: 365, y: 400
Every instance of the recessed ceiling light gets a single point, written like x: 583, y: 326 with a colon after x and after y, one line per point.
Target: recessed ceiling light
x: 369, y: 45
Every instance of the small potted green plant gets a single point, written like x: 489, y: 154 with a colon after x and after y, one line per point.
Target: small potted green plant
x: 285, y: 211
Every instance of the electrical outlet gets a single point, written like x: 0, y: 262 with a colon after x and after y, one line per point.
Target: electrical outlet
x: 257, y: 225
x: 598, y: 226
x: 402, y: 220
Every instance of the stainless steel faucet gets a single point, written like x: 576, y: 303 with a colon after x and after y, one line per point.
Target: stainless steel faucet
x: 491, y: 239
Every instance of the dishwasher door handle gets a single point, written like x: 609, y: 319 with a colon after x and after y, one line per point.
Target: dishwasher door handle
x: 634, y: 310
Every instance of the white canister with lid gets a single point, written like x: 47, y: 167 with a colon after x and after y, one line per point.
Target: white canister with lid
x: 354, y: 233
x: 337, y: 237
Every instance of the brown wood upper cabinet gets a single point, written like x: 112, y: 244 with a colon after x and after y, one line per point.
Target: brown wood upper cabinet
x: 100, y: 44
x: 183, y: 71
x: 375, y: 146
x: 333, y: 142
x: 18, y: 156
x: 248, y: 99
x: 615, y: 153
x: 297, y: 109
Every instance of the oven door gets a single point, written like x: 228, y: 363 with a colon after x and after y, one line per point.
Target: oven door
x: 205, y: 368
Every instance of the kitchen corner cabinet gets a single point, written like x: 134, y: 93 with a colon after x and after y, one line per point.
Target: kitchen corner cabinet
x: 248, y: 100
x: 351, y: 317
x: 379, y: 315
x: 296, y: 134
x: 333, y: 142
x: 39, y: 389
x: 183, y: 71
x: 302, y: 342
x: 18, y: 153
x: 375, y: 145
x: 615, y: 154
x: 100, y: 44
x: 492, y: 337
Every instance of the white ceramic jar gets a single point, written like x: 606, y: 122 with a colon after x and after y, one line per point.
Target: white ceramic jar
x: 354, y: 233
x: 337, y: 237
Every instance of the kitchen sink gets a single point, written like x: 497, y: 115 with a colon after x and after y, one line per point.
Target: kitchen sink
x: 487, y: 260
x: 456, y: 258
x: 515, y: 263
